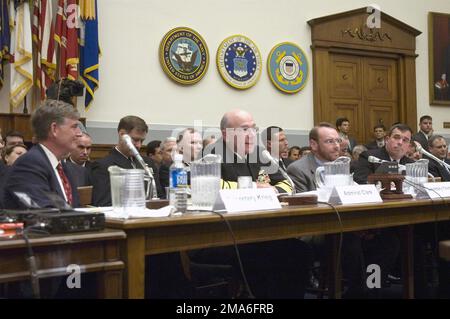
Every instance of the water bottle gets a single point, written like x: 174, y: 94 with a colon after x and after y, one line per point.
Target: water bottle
x: 178, y: 184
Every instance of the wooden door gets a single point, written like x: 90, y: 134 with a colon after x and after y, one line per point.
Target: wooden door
x: 364, y: 90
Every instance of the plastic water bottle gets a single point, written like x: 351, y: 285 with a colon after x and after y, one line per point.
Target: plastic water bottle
x: 178, y: 184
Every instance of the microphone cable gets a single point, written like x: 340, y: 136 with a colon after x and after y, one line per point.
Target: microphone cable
x: 238, y: 256
x: 31, y: 260
x: 341, y: 236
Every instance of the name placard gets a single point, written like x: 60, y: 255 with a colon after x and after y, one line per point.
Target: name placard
x: 437, y: 190
x: 355, y: 194
x: 243, y: 200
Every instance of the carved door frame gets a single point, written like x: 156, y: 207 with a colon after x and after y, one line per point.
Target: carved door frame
x: 347, y: 33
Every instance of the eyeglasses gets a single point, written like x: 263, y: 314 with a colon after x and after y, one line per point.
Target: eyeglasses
x: 333, y: 141
x: 398, y: 137
x: 247, y: 130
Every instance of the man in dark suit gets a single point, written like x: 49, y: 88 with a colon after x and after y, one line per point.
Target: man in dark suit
x: 379, y: 131
x: 425, y: 131
x: 382, y: 247
x: 78, y: 160
x: 120, y: 156
x: 438, y: 147
x: 395, y: 149
x: 41, y: 170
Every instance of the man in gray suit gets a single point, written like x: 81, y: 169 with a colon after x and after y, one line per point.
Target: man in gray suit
x: 325, y: 142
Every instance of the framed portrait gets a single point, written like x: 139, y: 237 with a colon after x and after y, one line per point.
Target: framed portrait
x: 439, y: 56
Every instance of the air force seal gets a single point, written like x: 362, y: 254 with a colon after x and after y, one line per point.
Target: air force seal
x: 184, y: 55
x: 239, y: 62
x: 288, y: 67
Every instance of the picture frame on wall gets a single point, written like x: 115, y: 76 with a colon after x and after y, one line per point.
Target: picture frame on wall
x: 439, y: 58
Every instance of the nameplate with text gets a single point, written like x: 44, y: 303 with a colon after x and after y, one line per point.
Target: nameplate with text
x: 355, y: 194
x: 243, y: 200
x: 437, y: 190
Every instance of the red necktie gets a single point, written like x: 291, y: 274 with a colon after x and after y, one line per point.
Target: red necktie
x: 65, y: 182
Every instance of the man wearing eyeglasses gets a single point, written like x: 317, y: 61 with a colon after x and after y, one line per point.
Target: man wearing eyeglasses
x: 325, y: 143
x: 275, y: 269
x: 241, y: 156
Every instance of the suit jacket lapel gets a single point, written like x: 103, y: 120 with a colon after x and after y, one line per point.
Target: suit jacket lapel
x: 54, y: 180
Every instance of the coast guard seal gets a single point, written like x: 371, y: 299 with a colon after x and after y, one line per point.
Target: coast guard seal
x: 184, y: 55
x: 239, y: 62
x: 287, y: 67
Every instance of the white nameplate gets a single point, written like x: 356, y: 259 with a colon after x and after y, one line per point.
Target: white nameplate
x: 355, y: 194
x: 242, y: 200
x: 437, y: 190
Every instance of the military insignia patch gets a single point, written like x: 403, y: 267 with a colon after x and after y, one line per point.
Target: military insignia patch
x: 239, y: 62
x: 184, y: 55
x: 287, y: 67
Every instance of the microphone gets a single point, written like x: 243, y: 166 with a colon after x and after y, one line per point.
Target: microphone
x: 376, y: 160
x: 266, y: 155
x: 423, y: 152
x: 141, y: 161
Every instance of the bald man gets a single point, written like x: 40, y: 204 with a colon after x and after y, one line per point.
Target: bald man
x: 241, y: 156
x: 276, y: 269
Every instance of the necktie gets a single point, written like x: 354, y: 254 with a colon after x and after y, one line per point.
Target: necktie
x: 281, y: 163
x: 65, y: 182
x: 133, y: 164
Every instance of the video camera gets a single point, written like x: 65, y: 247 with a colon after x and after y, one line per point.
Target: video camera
x: 64, y: 90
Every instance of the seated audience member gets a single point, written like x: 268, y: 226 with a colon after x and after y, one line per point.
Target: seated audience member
x: 437, y: 146
x: 345, y: 148
x: 154, y: 152
x: 78, y: 161
x: 209, y: 140
x: 276, y: 269
x: 120, y: 156
x: 168, y: 148
x: 357, y: 150
x: 275, y: 141
x: 11, y: 153
x: 343, y: 128
x: 81, y: 154
x: 425, y: 131
x: 413, y: 153
x: 189, y: 144
x: 42, y: 169
x: 13, y: 138
x: 305, y: 150
x: 379, y: 131
x: 294, y: 153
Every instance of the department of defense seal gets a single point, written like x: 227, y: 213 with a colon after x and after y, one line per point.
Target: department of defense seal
x: 184, y: 55
x: 239, y: 62
x: 287, y: 67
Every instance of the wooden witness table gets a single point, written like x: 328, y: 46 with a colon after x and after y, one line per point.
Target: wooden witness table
x: 93, y: 251
x: 201, y: 230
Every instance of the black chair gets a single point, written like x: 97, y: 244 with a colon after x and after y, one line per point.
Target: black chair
x: 211, y: 280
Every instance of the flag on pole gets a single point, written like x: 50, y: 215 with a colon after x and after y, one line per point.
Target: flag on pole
x: 89, y: 49
x: 5, y: 38
x: 66, y: 35
x: 43, y: 37
x: 21, y: 50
